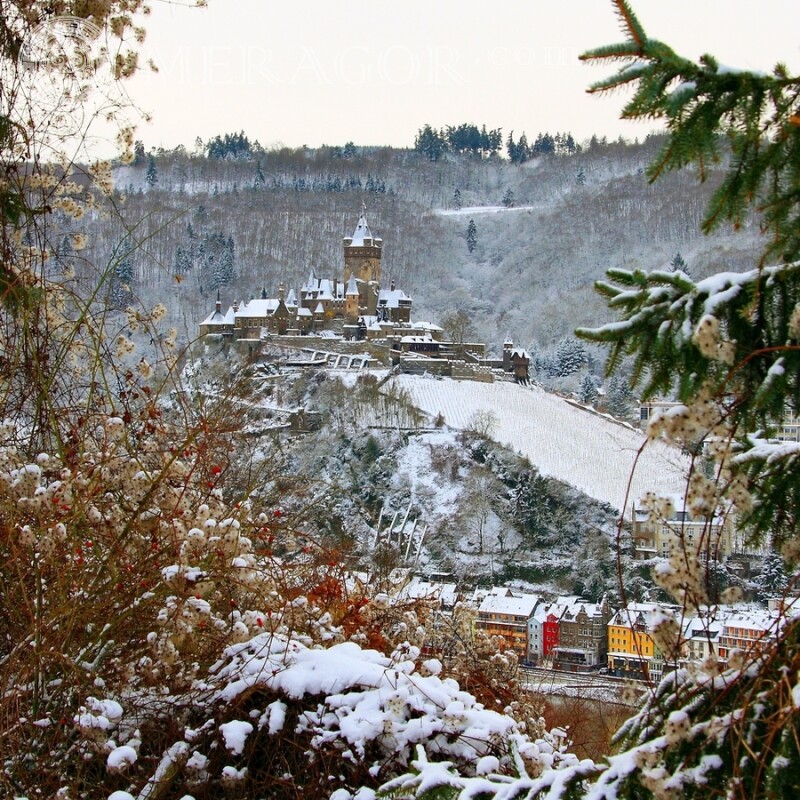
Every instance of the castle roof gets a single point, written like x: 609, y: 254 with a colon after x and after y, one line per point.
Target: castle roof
x: 361, y: 232
x: 352, y: 286
x: 322, y: 288
x: 393, y: 298
x: 216, y: 317
x: 259, y: 307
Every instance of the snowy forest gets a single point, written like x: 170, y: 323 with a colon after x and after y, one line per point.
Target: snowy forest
x: 516, y: 245
x: 197, y: 599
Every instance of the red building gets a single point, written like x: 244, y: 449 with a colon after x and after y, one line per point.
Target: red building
x: 549, y: 634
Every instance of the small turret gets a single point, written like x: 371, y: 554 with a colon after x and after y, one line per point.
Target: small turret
x: 351, y: 300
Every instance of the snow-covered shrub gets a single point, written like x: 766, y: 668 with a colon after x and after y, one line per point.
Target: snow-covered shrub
x: 291, y: 720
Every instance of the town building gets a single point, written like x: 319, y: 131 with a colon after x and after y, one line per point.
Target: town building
x: 700, y: 638
x: 707, y: 538
x: 749, y: 631
x: 544, y: 632
x: 632, y: 651
x: 582, y: 636
x: 507, y: 618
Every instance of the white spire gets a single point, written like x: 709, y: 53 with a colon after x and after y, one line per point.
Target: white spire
x: 362, y: 230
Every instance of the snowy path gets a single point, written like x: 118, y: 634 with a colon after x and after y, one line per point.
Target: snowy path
x: 594, y: 454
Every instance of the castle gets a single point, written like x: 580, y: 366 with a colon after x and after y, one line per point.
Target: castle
x: 351, y: 306
x: 358, y: 310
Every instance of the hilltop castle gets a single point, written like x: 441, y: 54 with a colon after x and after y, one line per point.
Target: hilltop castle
x: 360, y: 311
x: 350, y: 306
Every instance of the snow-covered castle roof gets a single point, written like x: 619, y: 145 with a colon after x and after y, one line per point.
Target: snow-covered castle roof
x: 361, y: 232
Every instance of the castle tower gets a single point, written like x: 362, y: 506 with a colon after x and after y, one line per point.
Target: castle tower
x: 362, y: 260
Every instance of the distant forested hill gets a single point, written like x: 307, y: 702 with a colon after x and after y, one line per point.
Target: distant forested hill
x: 545, y: 229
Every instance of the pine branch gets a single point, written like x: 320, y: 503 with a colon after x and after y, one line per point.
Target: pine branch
x: 630, y: 23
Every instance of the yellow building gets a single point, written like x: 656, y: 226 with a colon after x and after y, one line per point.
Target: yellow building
x: 632, y: 652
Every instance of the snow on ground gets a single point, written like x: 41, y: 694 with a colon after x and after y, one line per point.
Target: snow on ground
x: 471, y: 210
x: 414, y: 465
x: 586, y: 450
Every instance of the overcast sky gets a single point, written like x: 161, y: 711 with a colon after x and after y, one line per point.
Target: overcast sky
x: 374, y: 72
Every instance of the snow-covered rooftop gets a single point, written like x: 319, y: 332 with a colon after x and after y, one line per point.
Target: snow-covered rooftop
x: 392, y: 297
x: 259, y: 307
x: 522, y: 606
x: 218, y: 318
x: 361, y: 232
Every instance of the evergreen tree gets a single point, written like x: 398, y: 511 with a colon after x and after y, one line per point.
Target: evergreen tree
x: 523, y: 149
x: 619, y: 397
x: 456, y: 202
x: 511, y: 147
x: 231, y: 146
x: 472, y: 236
x: 729, y: 348
x: 183, y: 261
x: 228, y: 263
x: 216, y: 255
x: 570, y: 356
x: 259, y: 181
x: 518, y: 152
x: 587, y: 393
x: 151, y: 178
x: 121, y: 292
x: 490, y: 141
x: 64, y: 252
x: 544, y: 145
x: 508, y: 199
x: 430, y: 143
x: 773, y: 580
x: 139, y: 156
x: 678, y: 263
x: 581, y: 177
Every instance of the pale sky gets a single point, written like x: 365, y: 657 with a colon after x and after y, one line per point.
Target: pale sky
x: 330, y: 72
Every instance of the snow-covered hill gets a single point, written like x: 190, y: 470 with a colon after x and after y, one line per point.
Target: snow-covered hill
x: 605, y: 459
x: 530, y: 274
